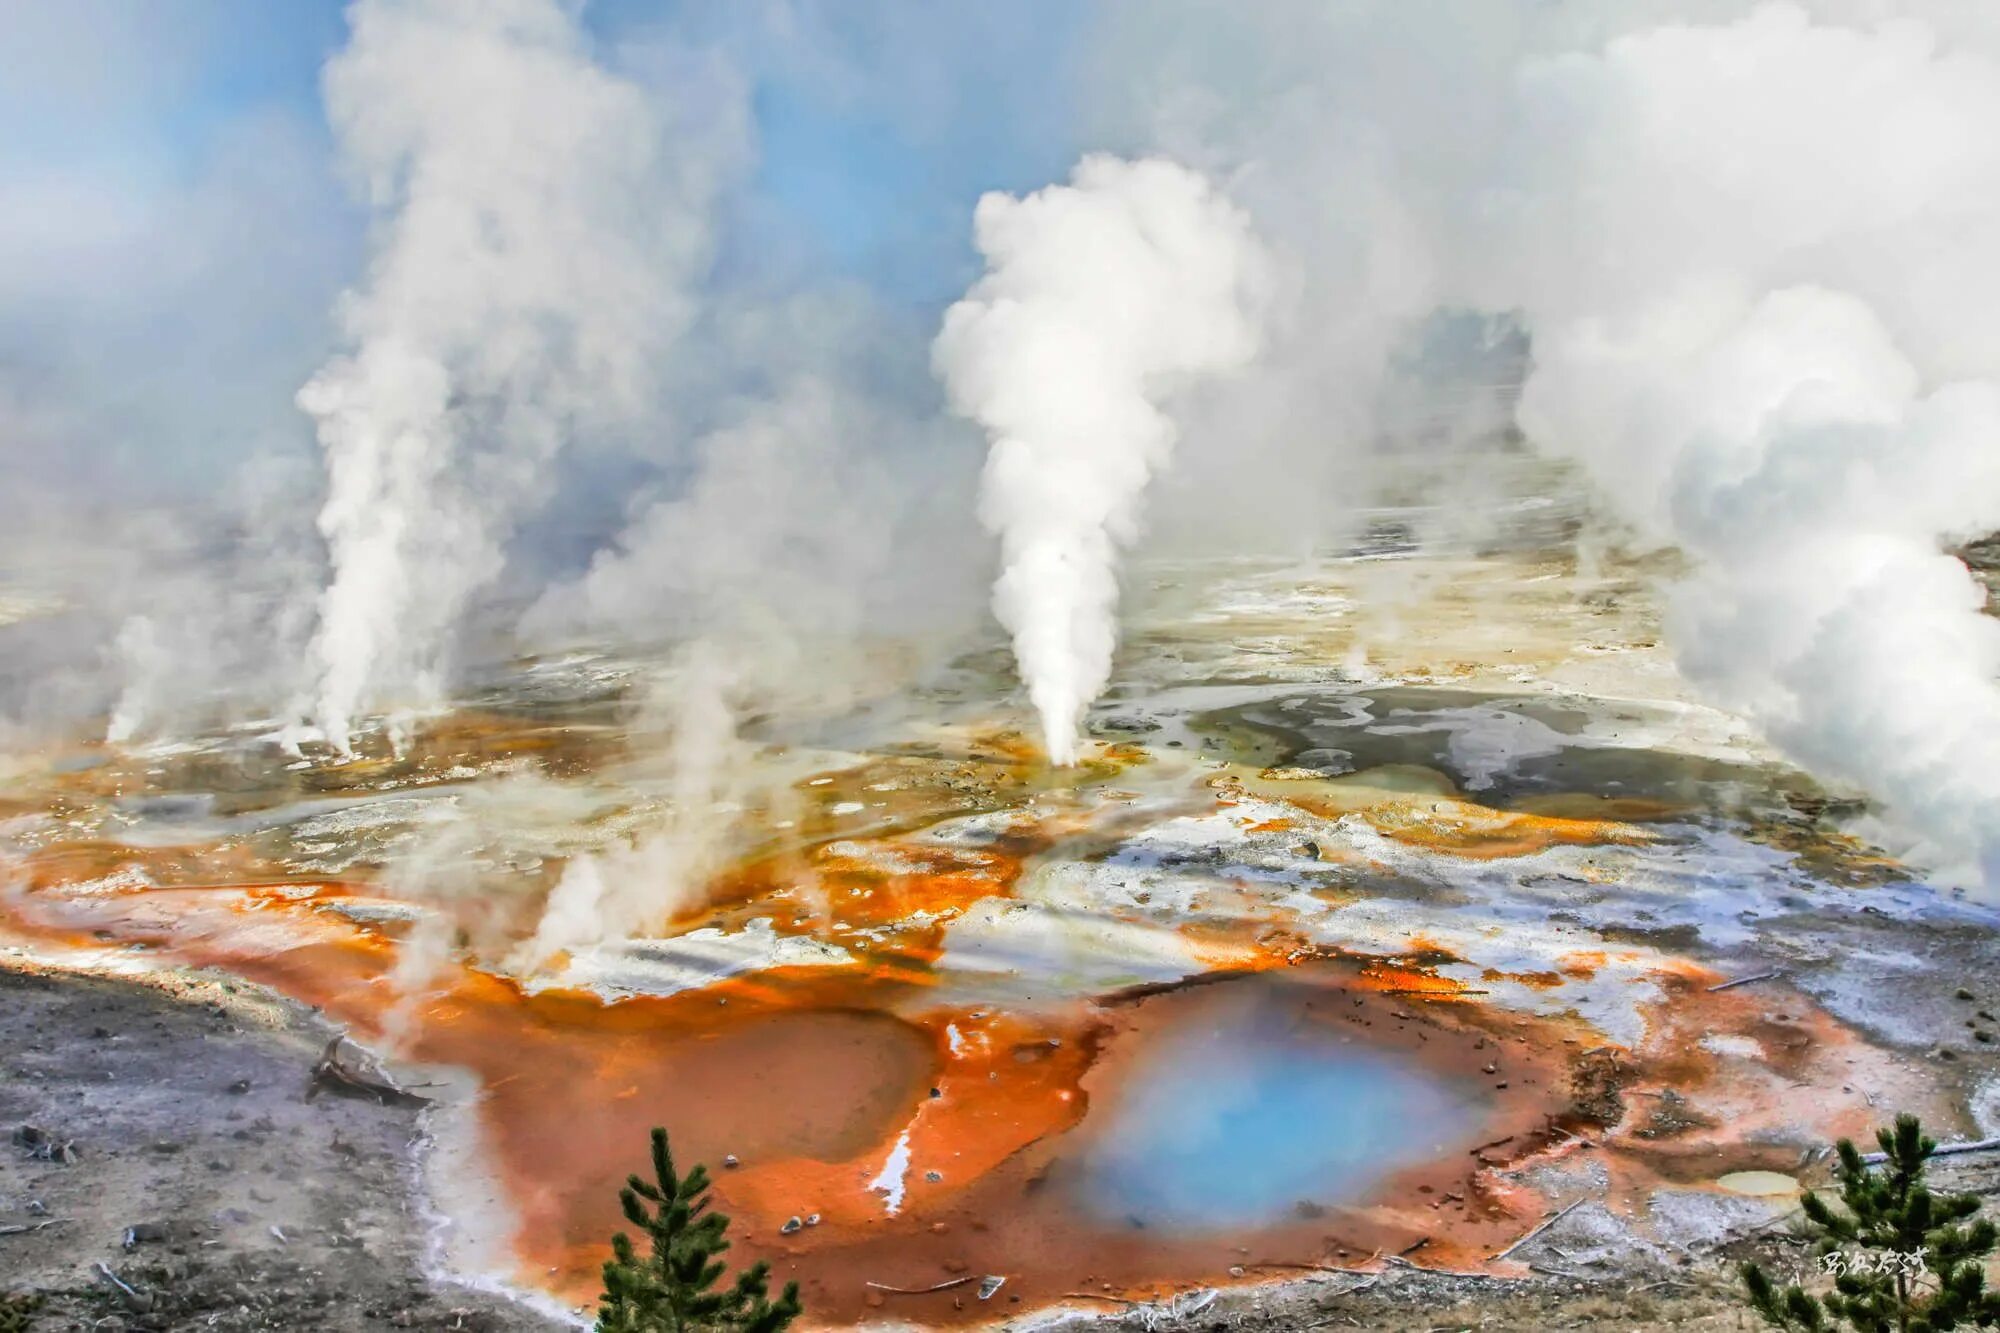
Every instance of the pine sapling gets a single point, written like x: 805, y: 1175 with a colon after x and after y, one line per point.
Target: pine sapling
x: 672, y: 1289
x: 1903, y: 1258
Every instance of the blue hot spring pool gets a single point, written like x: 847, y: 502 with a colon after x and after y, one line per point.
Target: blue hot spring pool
x: 1235, y: 1123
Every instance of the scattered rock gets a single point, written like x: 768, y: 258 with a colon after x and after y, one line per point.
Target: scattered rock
x: 45, y: 1146
x: 144, y: 1233
x: 792, y: 1224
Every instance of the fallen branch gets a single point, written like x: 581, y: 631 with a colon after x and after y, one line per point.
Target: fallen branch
x: 135, y: 1298
x: 1400, y: 1262
x: 1947, y: 1150
x: 923, y: 1291
x: 1542, y: 1226
x: 1434, y: 992
x: 1744, y: 981
x: 18, y: 1228
x: 341, y: 1079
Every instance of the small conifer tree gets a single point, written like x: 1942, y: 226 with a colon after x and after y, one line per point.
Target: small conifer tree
x: 1902, y: 1257
x: 672, y: 1288
x: 16, y: 1310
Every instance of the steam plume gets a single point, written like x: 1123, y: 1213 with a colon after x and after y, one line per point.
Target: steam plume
x: 1749, y: 244
x: 1099, y: 298
x: 1773, y: 374
x: 532, y: 247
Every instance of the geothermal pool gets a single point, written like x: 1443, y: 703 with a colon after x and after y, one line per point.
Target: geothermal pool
x: 1240, y: 1122
x: 1354, y: 936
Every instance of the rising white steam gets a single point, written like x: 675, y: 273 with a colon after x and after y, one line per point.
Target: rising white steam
x: 533, y: 242
x: 1099, y: 299
x: 1770, y: 334
x: 643, y: 884
x: 1751, y: 247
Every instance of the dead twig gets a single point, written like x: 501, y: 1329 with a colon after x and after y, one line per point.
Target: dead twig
x: 1542, y: 1226
x: 1946, y: 1150
x: 135, y: 1298
x: 923, y: 1291
x: 1435, y: 992
x: 18, y: 1228
x: 1744, y: 981
x: 1362, y: 1285
x: 1400, y: 1262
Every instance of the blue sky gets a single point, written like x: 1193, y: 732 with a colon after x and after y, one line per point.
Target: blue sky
x: 180, y: 229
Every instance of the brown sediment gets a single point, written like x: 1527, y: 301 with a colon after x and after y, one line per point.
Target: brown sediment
x: 1421, y: 807
x: 1464, y: 829
x: 1613, y: 809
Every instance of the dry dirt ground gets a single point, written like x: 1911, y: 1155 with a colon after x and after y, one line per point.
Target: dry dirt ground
x: 206, y: 1183
x: 202, y: 1179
